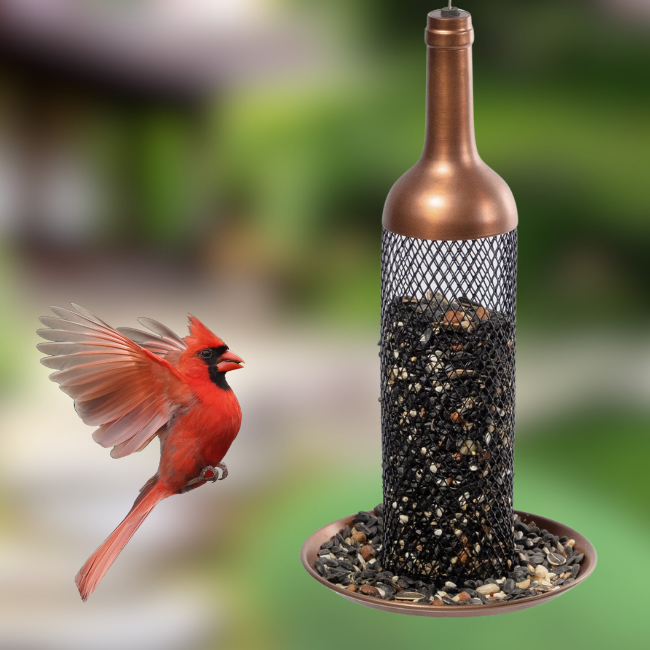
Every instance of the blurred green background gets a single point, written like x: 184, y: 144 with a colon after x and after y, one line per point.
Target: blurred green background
x: 159, y: 157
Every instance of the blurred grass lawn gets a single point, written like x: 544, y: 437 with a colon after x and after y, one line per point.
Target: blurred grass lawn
x: 588, y: 474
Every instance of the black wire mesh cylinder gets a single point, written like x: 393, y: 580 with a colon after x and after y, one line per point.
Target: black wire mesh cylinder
x: 447, y: 402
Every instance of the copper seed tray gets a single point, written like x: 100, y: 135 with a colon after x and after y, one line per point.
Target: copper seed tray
x: 309, y: 553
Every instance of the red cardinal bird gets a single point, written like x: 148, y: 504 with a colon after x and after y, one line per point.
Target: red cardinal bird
x: 137, y: 386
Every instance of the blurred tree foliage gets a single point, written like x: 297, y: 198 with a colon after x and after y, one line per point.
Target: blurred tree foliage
x: 561, y: 99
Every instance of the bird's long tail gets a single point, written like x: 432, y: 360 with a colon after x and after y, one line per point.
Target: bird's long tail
x: 100, y: 561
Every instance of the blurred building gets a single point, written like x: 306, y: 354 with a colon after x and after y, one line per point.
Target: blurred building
x: 91, y: 92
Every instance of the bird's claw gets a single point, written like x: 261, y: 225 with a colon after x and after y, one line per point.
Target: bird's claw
x: 209, y: 473
x: 224, y: 470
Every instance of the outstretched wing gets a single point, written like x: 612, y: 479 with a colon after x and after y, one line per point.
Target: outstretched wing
x: 165, y: 343
x: 129, y: 390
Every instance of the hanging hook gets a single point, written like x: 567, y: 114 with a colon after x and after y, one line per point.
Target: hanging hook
x: 449, y: 11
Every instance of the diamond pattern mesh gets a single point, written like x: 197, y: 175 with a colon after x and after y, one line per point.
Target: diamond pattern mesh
x: 447, y: 402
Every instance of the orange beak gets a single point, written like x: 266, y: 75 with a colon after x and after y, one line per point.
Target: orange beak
x: 229, y: 361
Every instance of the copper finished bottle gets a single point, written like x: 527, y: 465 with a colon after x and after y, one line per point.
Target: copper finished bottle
x: 449, y: 254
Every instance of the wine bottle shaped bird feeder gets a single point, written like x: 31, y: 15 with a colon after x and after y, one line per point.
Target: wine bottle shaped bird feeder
x: 449, y: 534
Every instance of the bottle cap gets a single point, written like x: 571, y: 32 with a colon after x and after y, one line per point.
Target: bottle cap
x: 449, y: 28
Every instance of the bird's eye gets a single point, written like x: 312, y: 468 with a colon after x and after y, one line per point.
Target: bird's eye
x: 206, y: 354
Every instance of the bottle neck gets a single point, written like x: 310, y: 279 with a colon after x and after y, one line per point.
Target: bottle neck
x: 450, y: 106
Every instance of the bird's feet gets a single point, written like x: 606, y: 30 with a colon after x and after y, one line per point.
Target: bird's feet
x: 209, y: 473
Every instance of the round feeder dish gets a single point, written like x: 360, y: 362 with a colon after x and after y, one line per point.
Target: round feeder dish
x: 309, y: 553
